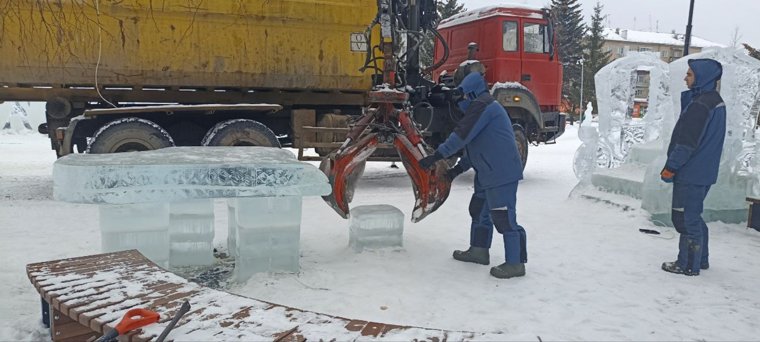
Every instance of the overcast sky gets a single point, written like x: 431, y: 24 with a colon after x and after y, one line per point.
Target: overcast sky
x: 714, y: 20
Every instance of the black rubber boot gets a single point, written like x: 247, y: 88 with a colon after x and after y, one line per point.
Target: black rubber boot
x: 673, y: 267
x: 506, y: 271
x: 478, y: 255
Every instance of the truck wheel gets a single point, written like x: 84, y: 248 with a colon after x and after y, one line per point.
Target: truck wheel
x: 129, y: 134
x: 240, y: 132
x: 522, y: 143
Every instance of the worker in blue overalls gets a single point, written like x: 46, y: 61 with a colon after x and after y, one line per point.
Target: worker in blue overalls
x: 486, y: 135
x: 693, y: 162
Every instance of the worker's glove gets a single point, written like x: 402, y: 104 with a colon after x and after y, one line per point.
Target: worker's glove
x: 430, y: 160
x: 667, y: 175
x: 454, y: 172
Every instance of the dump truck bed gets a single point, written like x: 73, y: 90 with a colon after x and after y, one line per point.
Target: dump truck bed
x: 132, y: 46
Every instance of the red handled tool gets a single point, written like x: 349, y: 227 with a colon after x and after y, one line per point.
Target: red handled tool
x: 133, y: 319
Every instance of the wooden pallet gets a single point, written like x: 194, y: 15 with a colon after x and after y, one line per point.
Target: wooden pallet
x: 88, y: 295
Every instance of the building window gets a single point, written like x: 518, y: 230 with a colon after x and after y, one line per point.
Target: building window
x: 510, y: 36
x: 536, y: 38
x: 677, y: 53
x: 620, y: 51
x: 644, y: 49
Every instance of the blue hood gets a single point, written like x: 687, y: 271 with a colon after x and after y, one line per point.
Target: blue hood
x: 473, y: 85
x: 706, y: 74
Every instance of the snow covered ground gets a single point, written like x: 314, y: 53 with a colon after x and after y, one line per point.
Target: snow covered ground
x: 591, y: 274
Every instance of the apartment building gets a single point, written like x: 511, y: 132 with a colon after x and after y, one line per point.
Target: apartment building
x: 670, y: 45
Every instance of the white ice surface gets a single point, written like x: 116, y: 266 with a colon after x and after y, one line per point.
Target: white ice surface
x: 179, y: 173
x: 591, y: 274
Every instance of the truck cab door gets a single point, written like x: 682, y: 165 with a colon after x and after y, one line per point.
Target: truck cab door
x: 540, y: 70
x: 506, y: 65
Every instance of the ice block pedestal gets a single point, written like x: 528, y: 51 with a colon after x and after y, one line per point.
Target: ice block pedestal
x: 267, y: 235
x: 142, y: 226
x: 191, y: 232
x: 376, y: 226
x: 160, y: 202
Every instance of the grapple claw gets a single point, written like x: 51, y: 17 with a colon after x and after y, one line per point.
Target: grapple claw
x: 431, y: 186
x: 343, y: 169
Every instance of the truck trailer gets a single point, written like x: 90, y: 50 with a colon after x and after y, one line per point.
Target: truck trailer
x: 131, y: 75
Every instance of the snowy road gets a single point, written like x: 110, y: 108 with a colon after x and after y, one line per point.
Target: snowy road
x: 591, y: 274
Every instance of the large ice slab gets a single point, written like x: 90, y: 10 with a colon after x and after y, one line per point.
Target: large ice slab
x: 179, y: 173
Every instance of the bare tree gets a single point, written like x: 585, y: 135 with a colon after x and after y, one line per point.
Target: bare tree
x: 736, y: 36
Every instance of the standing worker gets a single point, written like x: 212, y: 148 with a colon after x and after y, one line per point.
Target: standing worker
x: 693, y: 161
x: 485, y: 132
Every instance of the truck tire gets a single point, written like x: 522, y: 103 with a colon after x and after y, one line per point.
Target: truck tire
x: 240, y: 132
x: 128, y: 135
x: 521, y: 139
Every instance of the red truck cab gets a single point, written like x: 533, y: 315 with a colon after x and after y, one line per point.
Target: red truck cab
x: 517, y: 46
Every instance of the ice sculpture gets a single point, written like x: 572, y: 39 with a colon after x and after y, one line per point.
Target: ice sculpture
x: 585, y: 159
x: 376, y: 226
x: 19, y: 112
x: 637, y: 156
x: 159, y: 202
x: 755, y: 169
x: 740, y: 89
x: 632, y: 93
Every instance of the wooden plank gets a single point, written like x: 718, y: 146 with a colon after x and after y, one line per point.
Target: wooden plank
x: 301, y: 118
x: 73, y: 263
x: 63, y: 328
x: 182, y: 108
x: 325, y: 130
x: 86, y: 315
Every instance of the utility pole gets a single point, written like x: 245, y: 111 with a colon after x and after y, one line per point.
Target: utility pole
x: 580, y: 61
x: 687, y: 39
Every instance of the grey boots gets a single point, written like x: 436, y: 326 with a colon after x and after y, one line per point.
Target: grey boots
x: 506, y: 271
x: 478, y: 255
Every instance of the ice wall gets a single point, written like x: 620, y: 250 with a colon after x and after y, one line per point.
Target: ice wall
x: 616, y: 86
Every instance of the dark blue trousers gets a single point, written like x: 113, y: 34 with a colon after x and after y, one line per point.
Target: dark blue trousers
x: 498, y: 207
x: 688, y: 204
